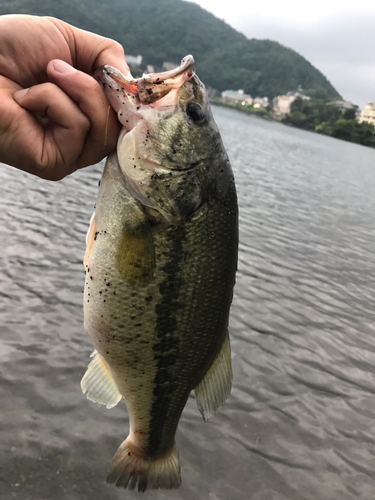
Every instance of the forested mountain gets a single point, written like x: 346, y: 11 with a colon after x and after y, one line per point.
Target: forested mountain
x: 167, y: 30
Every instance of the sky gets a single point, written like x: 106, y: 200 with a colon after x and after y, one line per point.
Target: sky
x: 337, y: 37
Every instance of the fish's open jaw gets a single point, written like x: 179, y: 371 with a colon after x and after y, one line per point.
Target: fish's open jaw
x: 186, y: 64
x: 151, y: 89
x: 155, y: 86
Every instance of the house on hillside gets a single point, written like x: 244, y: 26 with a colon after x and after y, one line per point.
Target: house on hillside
x: 134, y: 60
x: 368, y: 113
x: 236, y: 97
x: 343, y: 105
x: 260, y: 102
x: 167, y: 66
x: 281, y: 104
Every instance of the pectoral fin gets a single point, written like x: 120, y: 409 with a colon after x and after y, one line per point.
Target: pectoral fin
x: 215, y: 387
x: 98, y: 384
x: 135, y: 256
x: 90, y: 237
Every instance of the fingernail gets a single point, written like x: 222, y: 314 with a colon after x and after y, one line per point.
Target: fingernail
x: 20, y: 93
x: 63, y: 67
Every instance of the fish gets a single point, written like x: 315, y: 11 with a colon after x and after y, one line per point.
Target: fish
x: 160, y: 262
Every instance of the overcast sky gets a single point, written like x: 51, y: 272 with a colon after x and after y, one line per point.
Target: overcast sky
x: 337, y: 37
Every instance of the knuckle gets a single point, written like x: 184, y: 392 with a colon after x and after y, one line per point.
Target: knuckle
x: 117, y: 48
x: 83, y: 123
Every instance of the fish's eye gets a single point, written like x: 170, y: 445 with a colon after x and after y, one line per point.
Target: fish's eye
x: 195, y: 111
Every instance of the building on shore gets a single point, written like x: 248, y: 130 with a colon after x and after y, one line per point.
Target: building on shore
x: 281, y: 104
x: 343, y: 105
x: 260, y: 102
x: 236, y: 97
x: 168, y: 66
x: 134, y: 60
x: 368, y: 114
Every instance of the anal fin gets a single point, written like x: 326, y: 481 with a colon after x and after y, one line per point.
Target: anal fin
x: 98, y: 384
x: 215, y: 386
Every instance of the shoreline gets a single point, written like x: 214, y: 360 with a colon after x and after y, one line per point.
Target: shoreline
x: 269, y: 116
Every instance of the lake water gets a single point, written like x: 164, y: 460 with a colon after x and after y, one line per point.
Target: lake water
x: 300, y: 421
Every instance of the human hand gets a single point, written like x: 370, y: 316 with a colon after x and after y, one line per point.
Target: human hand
x: 54, y: 117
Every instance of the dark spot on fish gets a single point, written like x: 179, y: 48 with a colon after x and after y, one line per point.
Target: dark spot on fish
x: 99, y: 183
x: 149, y: 91
x: 108, y: 284
x: 127, y: 121
x: 114, y: 293
x: 137, y: 324
x: 138, y: 107
x: 120, y: 114
x: 100, y: 292
x: 221, y: 170
x: 90, y: 277
x: 135, y: 166
x: 148, y: 298
x: 103, y: 300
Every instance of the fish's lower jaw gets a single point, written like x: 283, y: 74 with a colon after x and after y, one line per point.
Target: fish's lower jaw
x: 132, y: 468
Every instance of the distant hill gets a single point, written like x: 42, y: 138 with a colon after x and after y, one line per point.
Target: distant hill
x: 167, y: 30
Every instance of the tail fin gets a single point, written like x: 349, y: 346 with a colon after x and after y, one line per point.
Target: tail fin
x: 131, y: 467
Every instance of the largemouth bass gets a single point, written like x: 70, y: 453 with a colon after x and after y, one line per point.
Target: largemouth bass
x: 160, y: 266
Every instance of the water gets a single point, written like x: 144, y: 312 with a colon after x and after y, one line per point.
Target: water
x: 300, y: 422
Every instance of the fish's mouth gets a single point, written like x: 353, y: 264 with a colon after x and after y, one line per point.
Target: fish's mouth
x: 154, y: 89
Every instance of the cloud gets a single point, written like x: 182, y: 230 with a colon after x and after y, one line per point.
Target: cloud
x: 336, y: 37
x: 342, y: 47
